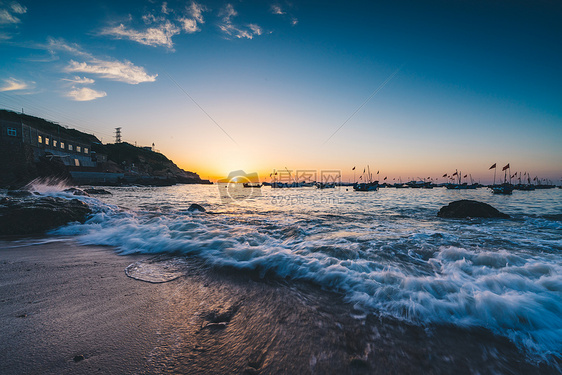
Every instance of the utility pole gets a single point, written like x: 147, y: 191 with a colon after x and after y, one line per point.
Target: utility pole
x: 117, y: 135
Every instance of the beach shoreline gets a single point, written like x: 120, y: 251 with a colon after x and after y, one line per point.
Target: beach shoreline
x: 67, y: 308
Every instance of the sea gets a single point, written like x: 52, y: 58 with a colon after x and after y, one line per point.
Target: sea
x: 386, y: 252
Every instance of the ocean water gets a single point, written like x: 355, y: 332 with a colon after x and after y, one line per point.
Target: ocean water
x: 386, y: 252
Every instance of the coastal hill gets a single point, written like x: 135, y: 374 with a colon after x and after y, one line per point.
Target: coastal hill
x: 32, y: 147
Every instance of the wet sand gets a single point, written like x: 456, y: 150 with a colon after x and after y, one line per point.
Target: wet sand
x: 71, y: 309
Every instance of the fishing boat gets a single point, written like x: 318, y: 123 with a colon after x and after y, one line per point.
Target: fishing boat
x: 505, y: 189
x: 252, y: 185
x: 366, y: 186
x: 325, y: 185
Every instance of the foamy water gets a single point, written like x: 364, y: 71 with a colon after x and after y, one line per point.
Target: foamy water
x: 386, y: 251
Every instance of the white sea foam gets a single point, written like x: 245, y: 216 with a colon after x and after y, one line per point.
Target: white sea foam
x: 461, y: 273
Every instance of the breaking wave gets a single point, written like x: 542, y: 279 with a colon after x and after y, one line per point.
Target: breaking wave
x: 466, y: 274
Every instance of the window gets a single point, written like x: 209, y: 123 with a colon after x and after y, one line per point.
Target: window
x: 69, y: 147
x: 85, y: 150
x: 39, y: 139
x: 12, y: 132
x: 55, y: 143
x: 78, y: 149
x: 46, y: 141
x: 62, y: 145
x: 77, y: 162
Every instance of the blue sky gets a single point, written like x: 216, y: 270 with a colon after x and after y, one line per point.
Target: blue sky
x: 474, y: 82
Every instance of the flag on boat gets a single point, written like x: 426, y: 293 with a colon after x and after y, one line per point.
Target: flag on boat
x: 445, y: 175
x: 360, y: 177
x: 353, y: 168
x: 493, y: 166
x: 465, y: 176
x: 378, y: 172
x: 454, y: 174
x: 384, y: 178
x: 506, y: 167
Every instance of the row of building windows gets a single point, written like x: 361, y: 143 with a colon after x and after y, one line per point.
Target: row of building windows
x: 46, y: 141
x: 12, y: 132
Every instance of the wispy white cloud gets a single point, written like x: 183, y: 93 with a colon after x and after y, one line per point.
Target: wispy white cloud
x: 7, y: 18
x: 229, y: 28
x: 151, y: 18
x: 85, y: 94
x: 79, y: 80
x: 276, y: 9
x: 165, y: 9
x: 8, y: 14
x: 60, y: 45
x: 152, y: 36
x: 18, y: 8
x: 195, y: 12
x: 124, y: 71
x: 12, y: 84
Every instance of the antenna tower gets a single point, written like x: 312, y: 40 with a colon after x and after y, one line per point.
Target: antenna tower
x: 117, y: 135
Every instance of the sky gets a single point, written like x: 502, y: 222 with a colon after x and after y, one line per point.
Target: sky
x: 409, y: 88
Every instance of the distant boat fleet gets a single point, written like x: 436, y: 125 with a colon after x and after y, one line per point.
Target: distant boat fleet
x: 458, y: 181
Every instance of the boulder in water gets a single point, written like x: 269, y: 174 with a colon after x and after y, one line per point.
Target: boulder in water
x: 34, y: 215
x: 469, y: 208
x: 75, y: 191
x: 97, y: 191
x: 196, y: 207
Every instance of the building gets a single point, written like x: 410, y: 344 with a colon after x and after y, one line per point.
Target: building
x: 73, y: 152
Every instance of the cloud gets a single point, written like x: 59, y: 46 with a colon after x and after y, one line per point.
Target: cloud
x: 255, y: 29
x: 189, y: 25
x: 114, y: 70
x: 12, y: 84
x: 18, y: 8
x: 85, y: 94
x: 122, y: 71
x: 153, y: 36
x: 165, y: 9
x: 229, y: 28
x: 54, y: 45
x: 151, y: 18
x: 195, y: 11
x: 276, y: 9
x: 80, y: 81
x: 7, y: 16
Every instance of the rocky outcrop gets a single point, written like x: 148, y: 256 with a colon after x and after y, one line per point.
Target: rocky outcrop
x: 469, y: 208
x: 37, y: 214
x: 196, y: 207
x: 93, y: 191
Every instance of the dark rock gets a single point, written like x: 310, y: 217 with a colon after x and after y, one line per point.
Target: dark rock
x: 19, y: 193
x: 97, y: 191
x: 196, y: 207
x: 36, y: 215
x: 78, y: 358
x: 470, y: 208
x: 76, y: 191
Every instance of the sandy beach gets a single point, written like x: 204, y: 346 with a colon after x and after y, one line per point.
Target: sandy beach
x: 71, y: 309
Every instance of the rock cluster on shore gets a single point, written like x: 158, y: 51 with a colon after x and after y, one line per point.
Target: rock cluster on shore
x: 32, y: 214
